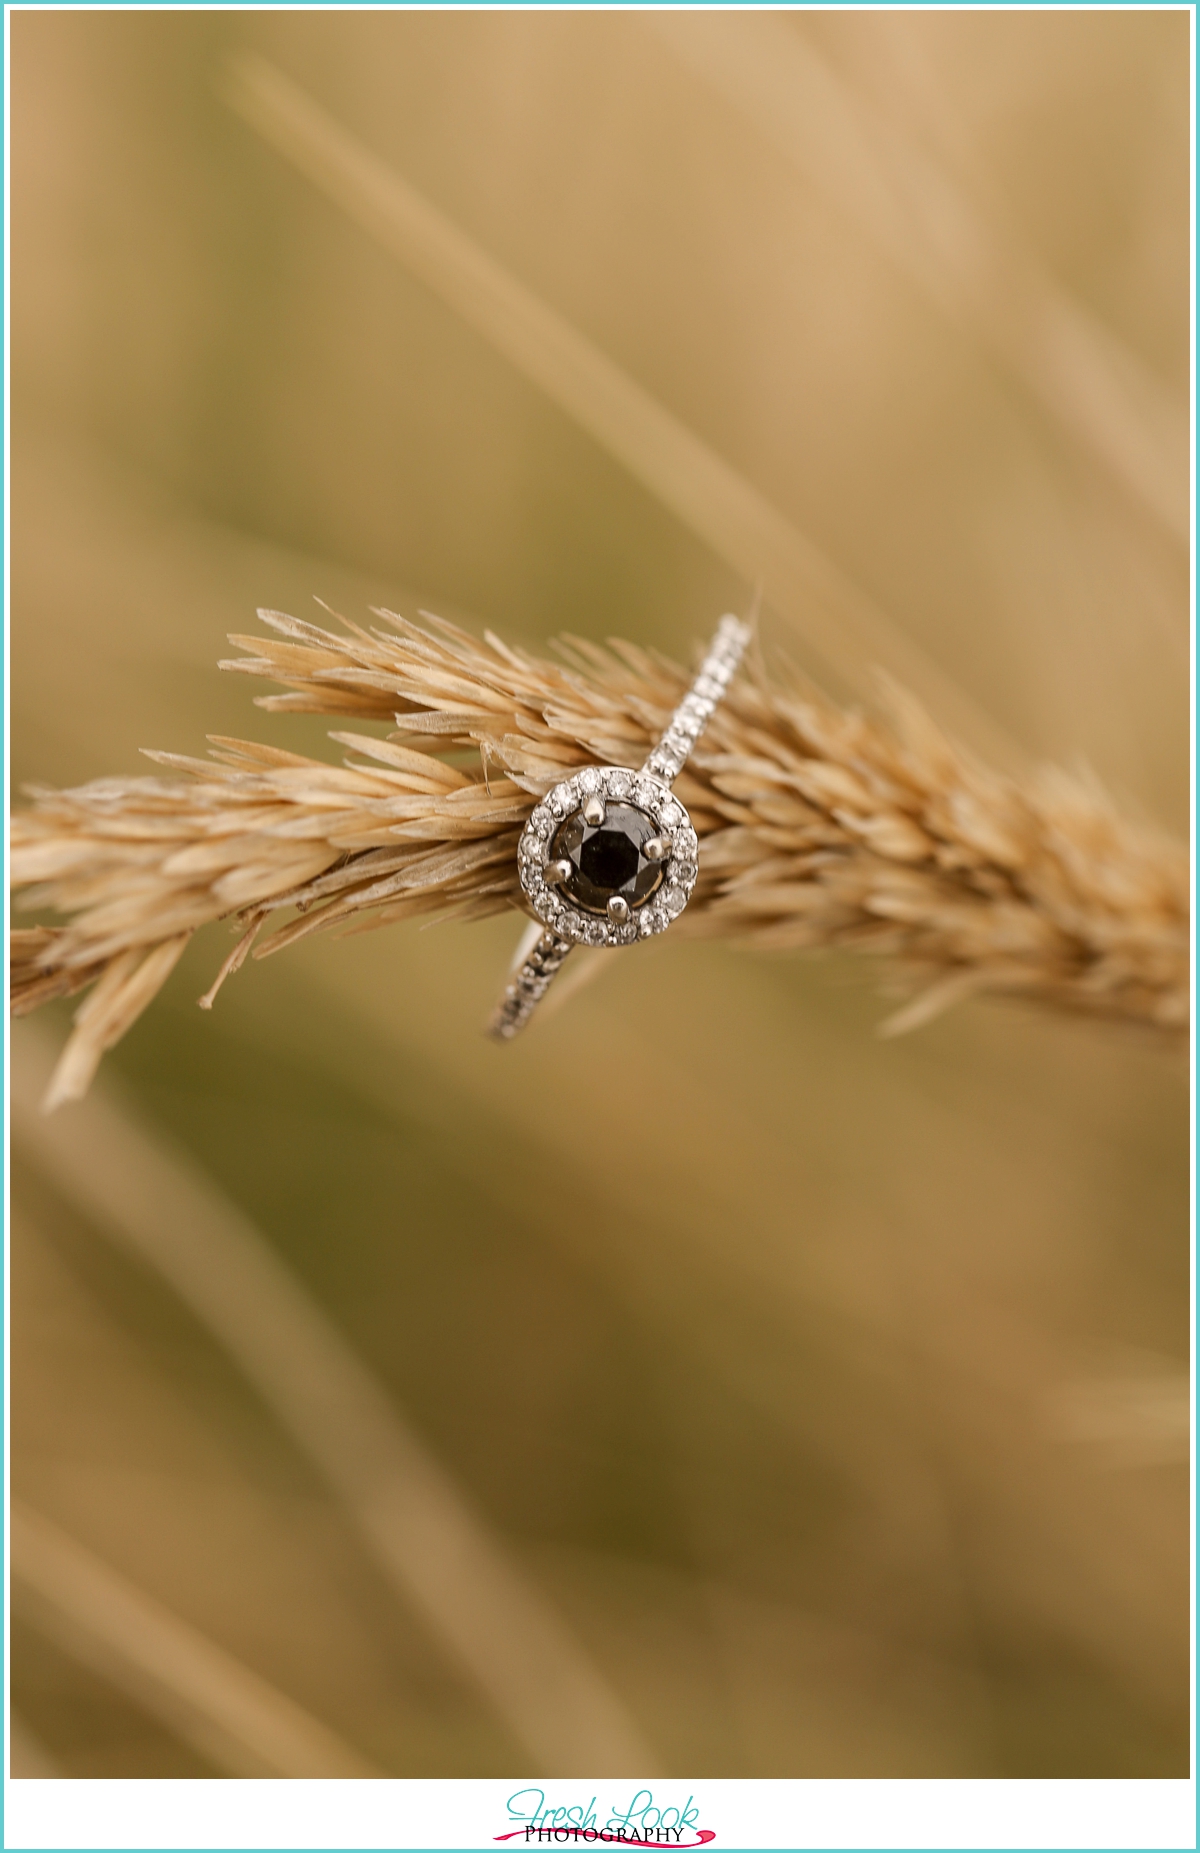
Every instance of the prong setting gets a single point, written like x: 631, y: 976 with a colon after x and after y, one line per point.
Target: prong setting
x: 593, y: 812
x: 542, y: 874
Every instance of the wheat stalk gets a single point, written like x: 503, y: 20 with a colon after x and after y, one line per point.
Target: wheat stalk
x: 820, y: 828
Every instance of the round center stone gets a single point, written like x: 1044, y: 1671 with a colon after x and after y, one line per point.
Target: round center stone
x: 607, y: 858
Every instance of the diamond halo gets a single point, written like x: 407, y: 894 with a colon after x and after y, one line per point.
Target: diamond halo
x: 642, y: 793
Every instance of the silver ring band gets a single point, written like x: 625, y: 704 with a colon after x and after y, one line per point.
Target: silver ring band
x: 534, y: 967
x: 610, y: 855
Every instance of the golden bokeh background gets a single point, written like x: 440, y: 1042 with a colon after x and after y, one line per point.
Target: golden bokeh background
x: 823, y: 1398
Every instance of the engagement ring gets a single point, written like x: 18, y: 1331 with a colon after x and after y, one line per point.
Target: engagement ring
x: 609, y: 856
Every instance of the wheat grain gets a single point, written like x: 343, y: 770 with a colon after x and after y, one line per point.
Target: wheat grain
x: 821, y: 828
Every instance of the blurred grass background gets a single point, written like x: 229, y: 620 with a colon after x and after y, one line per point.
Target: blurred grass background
x: 832, y: 1393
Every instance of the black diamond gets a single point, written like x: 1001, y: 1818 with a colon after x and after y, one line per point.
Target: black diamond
x: 607, y: 858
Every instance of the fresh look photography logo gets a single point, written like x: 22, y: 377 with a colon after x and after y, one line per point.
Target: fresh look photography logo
x: 643, y: 1823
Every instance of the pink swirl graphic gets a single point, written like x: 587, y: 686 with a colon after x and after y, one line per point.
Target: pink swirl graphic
x: 703, y: 1836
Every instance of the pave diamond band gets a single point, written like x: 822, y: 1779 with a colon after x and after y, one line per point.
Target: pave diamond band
x: 609, y: 856
x: 534, y: 969
x: 691, y: 717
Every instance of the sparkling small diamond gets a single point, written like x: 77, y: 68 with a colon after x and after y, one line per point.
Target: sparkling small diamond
x: 609, y: 858
x: 674, y: 900
x: 671, y: 814
x: 541, y: 820
x: 589, y: 780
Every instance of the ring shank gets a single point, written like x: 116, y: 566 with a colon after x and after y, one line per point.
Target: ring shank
x: 694, y: 712
x: 528, y: 985
x: 540, y: 964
